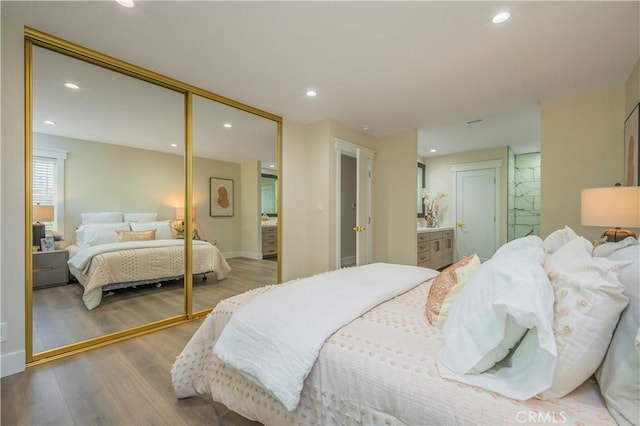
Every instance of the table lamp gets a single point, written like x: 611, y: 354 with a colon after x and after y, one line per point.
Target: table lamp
x: 617, y: 207
x: 40, y: 214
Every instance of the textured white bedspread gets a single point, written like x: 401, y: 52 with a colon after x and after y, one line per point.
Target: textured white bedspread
x: 135, y: 261
x: 276, y: 337
x: 378, y: 369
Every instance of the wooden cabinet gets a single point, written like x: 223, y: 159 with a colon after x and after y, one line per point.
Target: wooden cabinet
x: 435, y: 249
x: 269, y: 242
x: 50, y: 268
x: 423, y: 249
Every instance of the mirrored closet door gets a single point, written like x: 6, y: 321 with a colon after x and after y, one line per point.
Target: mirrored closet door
x: 103, y: 142
x: 122, y: 159
x: 229, y: 148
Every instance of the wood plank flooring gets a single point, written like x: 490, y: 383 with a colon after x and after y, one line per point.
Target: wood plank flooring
x: 60, y: 317
x: 126, y: 383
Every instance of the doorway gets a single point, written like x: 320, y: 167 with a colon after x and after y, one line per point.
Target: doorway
x: 354, y: 166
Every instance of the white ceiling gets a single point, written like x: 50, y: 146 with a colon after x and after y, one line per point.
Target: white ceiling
x: 393, y: 66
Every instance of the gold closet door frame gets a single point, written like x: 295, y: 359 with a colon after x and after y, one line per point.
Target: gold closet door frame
x: 33, y: 37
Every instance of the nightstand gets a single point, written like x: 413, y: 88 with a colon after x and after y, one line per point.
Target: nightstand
x: 50, y: 268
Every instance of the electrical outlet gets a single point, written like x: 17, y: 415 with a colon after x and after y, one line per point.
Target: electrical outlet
x: 3, y: 332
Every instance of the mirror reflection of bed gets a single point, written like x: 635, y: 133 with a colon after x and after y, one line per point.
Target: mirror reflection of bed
x: 108, y: 162
x: 60, y: 316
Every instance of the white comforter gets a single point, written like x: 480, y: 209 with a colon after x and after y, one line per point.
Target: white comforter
x: 81, y: 259
x: 276, y: 338
x: 137, y: 262
x: 379, y: 369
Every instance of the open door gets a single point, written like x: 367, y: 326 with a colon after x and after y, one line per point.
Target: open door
x: 350, y: 233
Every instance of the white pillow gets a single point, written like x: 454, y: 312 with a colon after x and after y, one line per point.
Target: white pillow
x: 104, y: 217
x: 508, y: 297
x: 99, y: 233
x: 163, y: 228
x: 140, y: 217
x: 558, y: 238
x: 619, y: 376
x: 529, y: 247
x: 588, y: 303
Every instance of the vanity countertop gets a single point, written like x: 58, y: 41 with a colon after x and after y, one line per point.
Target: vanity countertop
x: 422, y: 230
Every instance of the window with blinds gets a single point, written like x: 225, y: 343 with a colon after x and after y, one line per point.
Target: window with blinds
x: 44, y: 184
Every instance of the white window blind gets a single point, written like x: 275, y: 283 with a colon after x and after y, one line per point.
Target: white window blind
x: 44, y: 184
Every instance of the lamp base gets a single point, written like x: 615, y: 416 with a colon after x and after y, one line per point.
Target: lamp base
x: 38, y: 233
x: 617, y: 234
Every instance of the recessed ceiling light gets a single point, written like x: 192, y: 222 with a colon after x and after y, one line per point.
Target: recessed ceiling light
x: 433, y: 150
x: 365, y: 127
x: 501, y: 17
x: 49, y: 122
x: 311, y: 93
x: 126, y: 3
x: 227, y: 125
x: 70, y: 85
x: 174, y: 145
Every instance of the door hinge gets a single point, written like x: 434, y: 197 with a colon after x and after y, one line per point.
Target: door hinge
x: 369, y: 172
x: 369, y: 221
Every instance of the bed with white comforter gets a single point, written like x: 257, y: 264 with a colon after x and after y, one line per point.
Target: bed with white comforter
x: 518, y: 339
x: 125, y: 264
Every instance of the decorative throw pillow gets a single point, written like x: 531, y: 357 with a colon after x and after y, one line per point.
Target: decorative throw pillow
x: 446, y: 287
x: 162, y: 227
x: 588, y: 302
x: 508, y: 302
x: 136, y: 235
x: 618, y: 375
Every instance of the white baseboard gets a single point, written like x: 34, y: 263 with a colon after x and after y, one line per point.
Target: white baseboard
x: 248, y: 254
x: 12, y: 363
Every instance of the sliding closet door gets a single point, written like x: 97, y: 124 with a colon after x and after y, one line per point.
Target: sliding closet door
x: 231, y: 150
x: 102, y: 142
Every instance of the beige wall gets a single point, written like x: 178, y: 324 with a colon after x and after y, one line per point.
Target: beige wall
x: 295, y: 217
x: 12, y: 262
x: 394, y: 198
x: 440, y: 179
x: 106, y: 177
x: 581, y: 147
x: 250, y: 231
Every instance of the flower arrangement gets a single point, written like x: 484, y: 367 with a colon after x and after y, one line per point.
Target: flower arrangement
x: 178, y: 225
x: 431, y: 207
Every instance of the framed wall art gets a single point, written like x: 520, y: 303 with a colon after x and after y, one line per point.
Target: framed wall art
x: 220, y: 197
x: 631, y: 151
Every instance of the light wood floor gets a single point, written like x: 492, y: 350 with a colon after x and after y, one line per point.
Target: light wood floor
x: 126, y: 383
x: 60, y: 317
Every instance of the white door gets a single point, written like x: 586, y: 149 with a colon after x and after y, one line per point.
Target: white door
x: 476, y: 213
x: 364, y: 221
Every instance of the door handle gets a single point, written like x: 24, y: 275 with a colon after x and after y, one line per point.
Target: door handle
x: 359, y: 228
x: 460, y: 224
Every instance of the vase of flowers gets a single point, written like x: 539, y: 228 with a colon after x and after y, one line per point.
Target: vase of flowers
x: 431, y: 207
x: 178, y: 226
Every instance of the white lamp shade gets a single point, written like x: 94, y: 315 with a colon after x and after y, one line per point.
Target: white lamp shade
x: 617, y: 206
x: 180, y: 213
x: 42, y: 213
